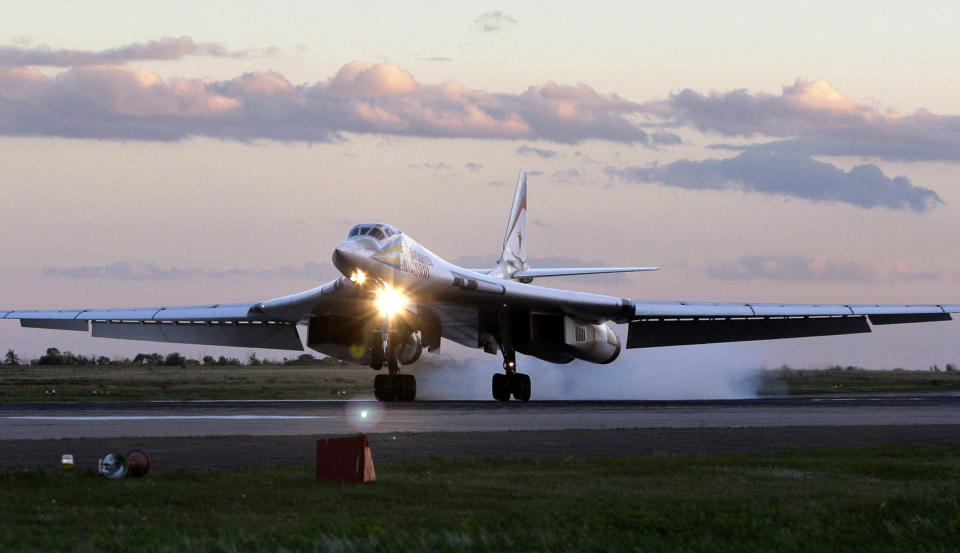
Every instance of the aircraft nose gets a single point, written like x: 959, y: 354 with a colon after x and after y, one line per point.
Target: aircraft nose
x: 347, y: 257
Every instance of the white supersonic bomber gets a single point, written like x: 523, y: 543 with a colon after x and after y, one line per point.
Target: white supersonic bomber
x: 396, y: 297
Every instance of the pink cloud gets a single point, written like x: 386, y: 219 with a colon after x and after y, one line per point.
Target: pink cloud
x: 166, y: 48
x: 119, y: 102
x: 816, y: 119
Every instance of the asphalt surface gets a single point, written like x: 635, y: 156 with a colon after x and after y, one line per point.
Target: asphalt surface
x: 300, y: 418
x: 265, y: 433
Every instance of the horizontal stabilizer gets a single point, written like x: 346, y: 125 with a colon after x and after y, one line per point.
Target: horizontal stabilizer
x: 574, y: 271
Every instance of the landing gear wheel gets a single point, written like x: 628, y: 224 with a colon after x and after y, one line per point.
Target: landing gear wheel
x: 501, y: 387
x: 408, y: 387
x: 520, y: 386
x: 381, y: 388
x: 395, y: 387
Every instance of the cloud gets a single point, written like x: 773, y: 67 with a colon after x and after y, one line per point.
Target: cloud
x: 490, y: 22
x: 144, y: 270
x: 116, y: 102
x: 431, y: 166
x: 813, y: 118
x: 665, y: 138
x: 166, y: 48
x: 472, y: 166
x: 568, y: 176
x: 787, y: 174
x: 529, y: 150
x: 799, y: 268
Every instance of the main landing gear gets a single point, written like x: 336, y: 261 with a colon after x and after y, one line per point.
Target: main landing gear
x: 392, y: 386
x: 510, y: 382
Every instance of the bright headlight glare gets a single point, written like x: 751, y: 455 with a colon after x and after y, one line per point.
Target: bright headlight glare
x: 389, y: 300
x: 358, y: 277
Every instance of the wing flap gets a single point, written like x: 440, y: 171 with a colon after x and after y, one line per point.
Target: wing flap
x: 659, y: 333
x: 236, y: 334
x: 682, y: 310
x: 898, y: 318
x: 56, y: 324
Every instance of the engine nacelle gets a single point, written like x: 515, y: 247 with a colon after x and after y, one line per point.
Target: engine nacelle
x: 561, y: 339
x: 411, y: 349
x: 594, y: 343
x: 345, y: 337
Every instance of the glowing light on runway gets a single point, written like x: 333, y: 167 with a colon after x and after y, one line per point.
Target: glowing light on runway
x: 364, y: 417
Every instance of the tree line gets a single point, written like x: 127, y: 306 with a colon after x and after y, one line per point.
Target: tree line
x: 54, y: 356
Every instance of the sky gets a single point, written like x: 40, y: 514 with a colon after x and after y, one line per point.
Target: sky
x: 212, y: 152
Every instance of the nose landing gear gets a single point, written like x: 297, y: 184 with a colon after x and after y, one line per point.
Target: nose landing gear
x: 392, y: 386
x: 510, y: 382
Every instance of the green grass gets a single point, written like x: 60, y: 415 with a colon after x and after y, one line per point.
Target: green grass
x: 897, y: 498
x: 31, y: 383
x: 855, y: 381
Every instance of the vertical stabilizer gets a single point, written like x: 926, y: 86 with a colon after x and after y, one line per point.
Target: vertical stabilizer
x: 513, y: 258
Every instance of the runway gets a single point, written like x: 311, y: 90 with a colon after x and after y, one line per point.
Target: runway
x: 43, y: 421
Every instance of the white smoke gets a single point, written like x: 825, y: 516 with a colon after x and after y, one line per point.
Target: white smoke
x: 727, y: 371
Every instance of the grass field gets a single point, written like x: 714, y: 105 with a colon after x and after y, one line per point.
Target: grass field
x: 881, y: 499
x: 855, y: 381
x: 35, y: 383
x: 138, y: 383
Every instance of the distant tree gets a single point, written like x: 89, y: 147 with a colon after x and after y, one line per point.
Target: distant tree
x: 52, y: 357
x: 951, y: 368
x: 103, y: 361
x: 153, y: 359
x: 253, y: 361
x: 302, y: 359
x: 175, y: 360
x: 11, y: 358
x: 209, y: 361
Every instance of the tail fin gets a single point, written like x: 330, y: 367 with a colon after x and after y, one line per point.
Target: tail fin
x: 513, y: 258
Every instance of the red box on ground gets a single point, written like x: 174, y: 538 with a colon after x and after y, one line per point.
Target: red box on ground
x: 348, y: 459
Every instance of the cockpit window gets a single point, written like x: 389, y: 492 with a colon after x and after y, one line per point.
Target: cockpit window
x: 378, y: 231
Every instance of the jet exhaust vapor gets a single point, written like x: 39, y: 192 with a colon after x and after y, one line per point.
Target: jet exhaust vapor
x: 396, y: 299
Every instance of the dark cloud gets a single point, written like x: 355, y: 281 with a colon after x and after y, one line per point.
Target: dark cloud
x: 118, y: 102
x: 166, y: 48
x: 490, y: 22
x: 142, y: 270
x: 530, y: 150
x: 472, y: 167
x: 568, y: 176
x: 816, y: 119
x: 665, y: 138
x: 431, y: 166
x: 786, y: 174
x: 800, y: 268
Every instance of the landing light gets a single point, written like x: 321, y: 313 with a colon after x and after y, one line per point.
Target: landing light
x: 389, y: 300
x: 358, y: 277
